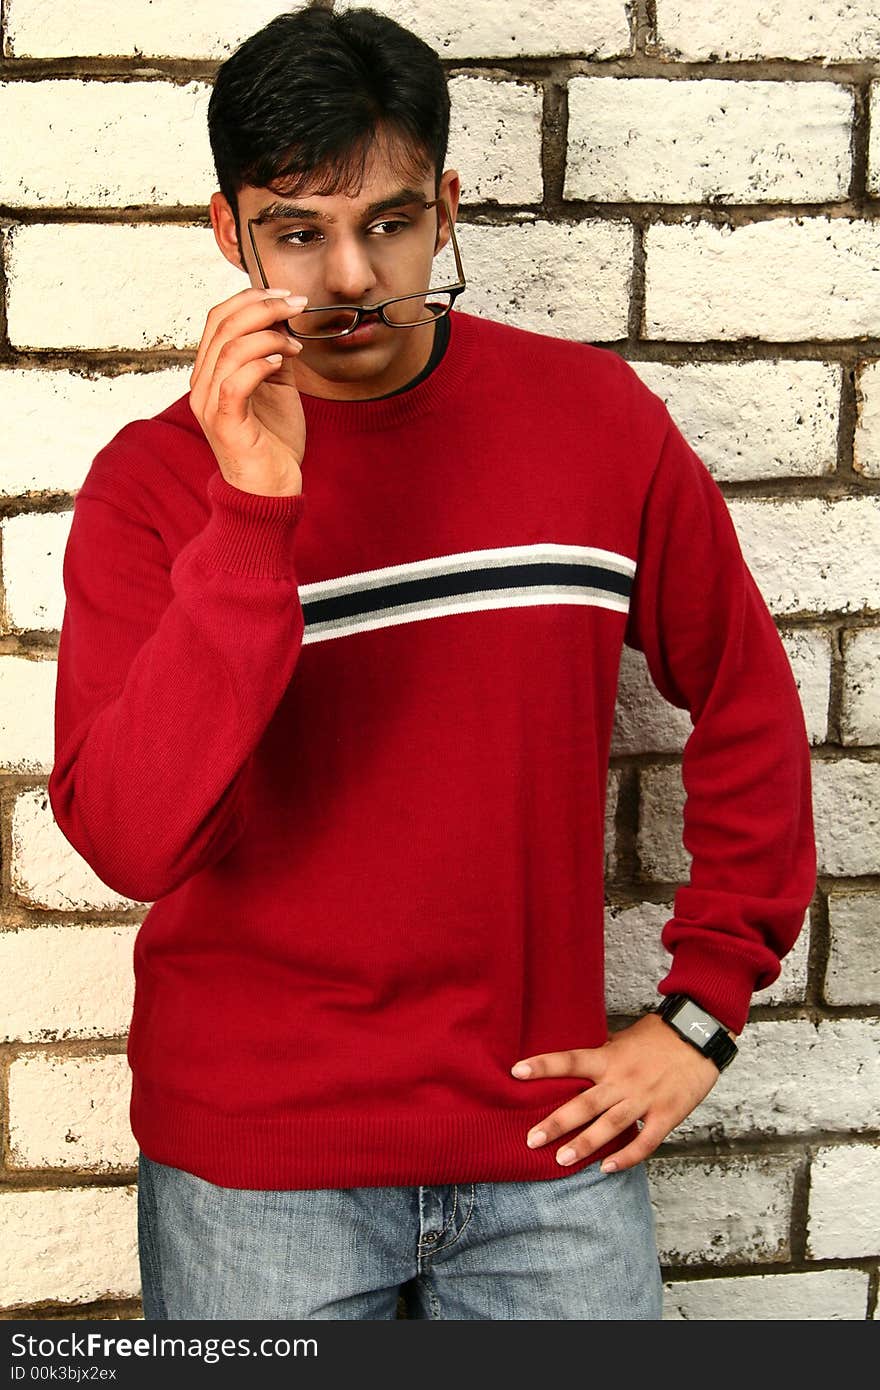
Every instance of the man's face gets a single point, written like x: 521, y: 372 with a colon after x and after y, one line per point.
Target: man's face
x: 348, y: 250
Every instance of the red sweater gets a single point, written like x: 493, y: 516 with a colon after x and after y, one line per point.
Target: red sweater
x: 352, y: 746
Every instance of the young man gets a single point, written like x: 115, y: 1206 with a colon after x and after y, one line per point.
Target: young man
x: 335, y: 693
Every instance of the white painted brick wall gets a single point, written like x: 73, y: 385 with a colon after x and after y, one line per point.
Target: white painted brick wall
x: 86, y: 982
x: 727, y: 1211
x: 46, y: 871
x: 873, y: 181
x: 68, y: 1245
x: 844, y: 1218
x: 866, y: 448
x: 33, y: 560
x: 832, y: 1295
x: 70, y: 1113
x: 813, y: 555
x: 792, y: 1077
x: 495, y: 140
x: 27, y: 705
x: 836, y: 30
x: 860, y: 710
x: 645, y: 139
x: 105, y: 144
x: 753, y: 420
x: 846, y: 804
x: 748, y: 282
x: 853, y: 972
x: 461, y: 29
x: 530, y: 274
x: 142, y: 28
x: 56, y: 421
x: 123, y: 287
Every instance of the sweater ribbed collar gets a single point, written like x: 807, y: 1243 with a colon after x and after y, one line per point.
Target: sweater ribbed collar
x: 437, y: 389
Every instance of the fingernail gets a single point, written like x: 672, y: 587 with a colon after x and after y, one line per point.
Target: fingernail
x: 608, y: 1165
x: 521, y: 1069
x: 277, y: 294
x: 296, y: 301
x: 536, y: 1138
x: 566, y: 1156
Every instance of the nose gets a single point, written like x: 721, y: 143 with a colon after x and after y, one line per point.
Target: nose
x: 348, y: 271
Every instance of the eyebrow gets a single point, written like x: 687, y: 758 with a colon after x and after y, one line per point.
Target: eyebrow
x: 283, y: 212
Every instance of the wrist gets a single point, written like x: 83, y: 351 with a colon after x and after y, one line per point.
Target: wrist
x: 697, y: 1027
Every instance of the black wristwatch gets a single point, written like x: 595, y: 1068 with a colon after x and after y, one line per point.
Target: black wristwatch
x: 698, y: 1028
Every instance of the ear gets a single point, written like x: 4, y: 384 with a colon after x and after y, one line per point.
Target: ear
x: 451, y: 189
x: 225, y: 232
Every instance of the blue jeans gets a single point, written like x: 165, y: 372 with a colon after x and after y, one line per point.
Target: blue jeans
x: 577, y: 1246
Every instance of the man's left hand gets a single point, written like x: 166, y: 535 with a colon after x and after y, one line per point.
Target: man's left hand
x: 645, y: 1072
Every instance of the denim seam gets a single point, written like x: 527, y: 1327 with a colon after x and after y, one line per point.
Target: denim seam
x: 435, y: 1249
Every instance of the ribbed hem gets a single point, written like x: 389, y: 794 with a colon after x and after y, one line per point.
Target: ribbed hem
x: 438, y: 389
x: 248, y: 533
x: 307, y: 1150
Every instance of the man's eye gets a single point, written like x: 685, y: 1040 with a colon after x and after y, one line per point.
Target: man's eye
x: 290, y: 238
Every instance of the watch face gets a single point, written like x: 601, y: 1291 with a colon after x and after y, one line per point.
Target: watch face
x: 693, y: 1022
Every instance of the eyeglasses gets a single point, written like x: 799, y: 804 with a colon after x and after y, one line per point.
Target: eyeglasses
x: 411, y: 310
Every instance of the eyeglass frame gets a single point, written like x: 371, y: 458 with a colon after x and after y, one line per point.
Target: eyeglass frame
x: 455, y: 289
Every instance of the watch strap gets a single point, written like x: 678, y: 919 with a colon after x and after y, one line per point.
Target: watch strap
x: 698, y: 1027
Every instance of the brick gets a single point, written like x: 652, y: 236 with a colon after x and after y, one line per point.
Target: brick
x: 68, y: 1245
x: 133, y: 286
x: 636, y: 960
x: 70, y: 1113
x: 829, y: 1295
x: 839, y: 30
x: 106, y: 144
x: 844, y: 1213
x: 461, y: 29
x: 27, y: 707
x: 727, y: 1211
x: 643, y: 720
x: 852, y: 976
x: 866, y: 444
x: 611, y: 795
x: 753, y: 420
x: 139, y: 28
x: 846, y: 804
x: 874, y: 146
x: 56, y: 421
x: 811, y: 555
x: 495, y: 140
x: 662, y: 855
x: 33, y: 560
x: 45, y: 870
x: 705, y: 282
x: 793, y: 1077
x: 527, y: 274
x: 860, y: 708
x: 648, y: 139
x: 86, y: 981
x: 809, y: 655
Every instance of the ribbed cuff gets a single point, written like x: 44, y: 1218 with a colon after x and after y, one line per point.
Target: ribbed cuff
x: 722, y: 984
x: 248, y: 533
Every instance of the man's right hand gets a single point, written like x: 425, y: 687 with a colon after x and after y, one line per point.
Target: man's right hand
x: 250, y: 412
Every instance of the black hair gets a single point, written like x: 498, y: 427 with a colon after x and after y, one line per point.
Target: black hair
x: 305, y: 100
